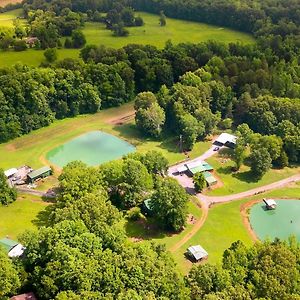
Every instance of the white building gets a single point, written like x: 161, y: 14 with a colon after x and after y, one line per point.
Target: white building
x: 197, y: 252
x: 226, y: 139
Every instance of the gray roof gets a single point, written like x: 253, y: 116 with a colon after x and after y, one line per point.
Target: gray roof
x: 38, y: 172
x: 197, y: 252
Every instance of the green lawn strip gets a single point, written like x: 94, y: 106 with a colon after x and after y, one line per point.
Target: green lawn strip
x: 178, y: 31
x: 148, y: 230
x: 20, y: 215
x: 243, y: 180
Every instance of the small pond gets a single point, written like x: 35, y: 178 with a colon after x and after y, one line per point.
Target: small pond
x: 92, y: 148
x: 282, y: 222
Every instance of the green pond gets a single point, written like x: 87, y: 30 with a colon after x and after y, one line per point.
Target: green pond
x: 92, y: 148
x: 282, y: 222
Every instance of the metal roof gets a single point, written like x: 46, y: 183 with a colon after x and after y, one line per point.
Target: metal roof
x: 197, y: 252
x: 224, y: 138
x: 10, y: 172
x: 39, y: 172
x: 8, y: 244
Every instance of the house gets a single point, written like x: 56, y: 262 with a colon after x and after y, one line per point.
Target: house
x: 10, y: 172
x: 270, y: 204
x: 198, y: 166
x: 39, y: 173
x: 226, y: 139
x: 197, y: 253
x: 27, y: 296
x: 13, y: 248
x: 210, y: 179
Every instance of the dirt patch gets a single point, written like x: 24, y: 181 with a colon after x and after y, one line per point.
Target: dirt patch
x: 10, y: 147
x: 123, y: 119
x: 244, y: 209
x: 191, y: 219
x: 5, y: 2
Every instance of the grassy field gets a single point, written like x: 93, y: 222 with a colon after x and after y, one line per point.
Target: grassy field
x: 243, y: 180
x: 224, y: 226
x: 178, y: 31
x: 20, y: 215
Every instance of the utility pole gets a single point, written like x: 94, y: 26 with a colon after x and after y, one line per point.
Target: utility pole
x: 180, y: 143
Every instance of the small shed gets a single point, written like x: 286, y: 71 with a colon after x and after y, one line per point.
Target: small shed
x: 182, y: 169
x: 10, y: 172
x: 197, y: 253
x: 39, y: 173
x: 13, y: 248
x: 270, y: 204
x: 210, y: 179
x: 27, y: 296
x: 226, y: 139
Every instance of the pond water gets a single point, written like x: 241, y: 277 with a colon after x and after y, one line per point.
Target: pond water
x: 92, y: 148
x: 282, y: 222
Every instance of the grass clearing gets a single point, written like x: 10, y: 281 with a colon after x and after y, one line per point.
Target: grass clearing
x: 147, y: 230
x: 20, y: 215
x: 152, y: 33
x: 243, y: 180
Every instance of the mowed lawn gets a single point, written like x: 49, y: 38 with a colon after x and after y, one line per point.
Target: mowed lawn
x: 31, y: 149
x: 178, y: 31
x: 20, y: 215
x: 242, y: 180
x: 224, y: 225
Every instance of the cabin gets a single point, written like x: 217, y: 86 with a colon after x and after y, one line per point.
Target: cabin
x: 226, y: 139
x: 270, y: 204
x: 197, y: 253
x: 39, y: 173
x: 12, y: 248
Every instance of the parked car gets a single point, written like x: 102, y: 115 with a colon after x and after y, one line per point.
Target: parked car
x: 216, y: 148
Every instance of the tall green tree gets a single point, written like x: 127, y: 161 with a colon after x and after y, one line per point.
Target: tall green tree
x: 199, y: 182
x: 7, y: 194
x: 260, y: 162
x: 9, y: 277
x: 169, y: 204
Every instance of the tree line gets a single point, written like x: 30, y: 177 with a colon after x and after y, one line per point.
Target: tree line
x: 82, y: 251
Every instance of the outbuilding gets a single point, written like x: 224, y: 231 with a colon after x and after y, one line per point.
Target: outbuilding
x: 210, y: 179
x: 146, y: 207
x: 197, y: 253
x: 270, y: 204
x: 10, y: 172
x: 198, y: 166
x: 13, y: 248
x: 226, y: 139
x: 39, y: 173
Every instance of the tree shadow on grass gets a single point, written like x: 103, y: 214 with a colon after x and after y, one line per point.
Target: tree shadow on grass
x: 226, y: 152
x: 247, y: 176
x: 145, y: 229
x: 225, y: 170
x: 42, y: 218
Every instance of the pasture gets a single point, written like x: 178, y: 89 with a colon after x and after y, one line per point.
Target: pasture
x: 20, y: 215
x: 178, y: 31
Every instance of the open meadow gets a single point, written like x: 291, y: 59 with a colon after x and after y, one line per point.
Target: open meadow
x: 178, y: 31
